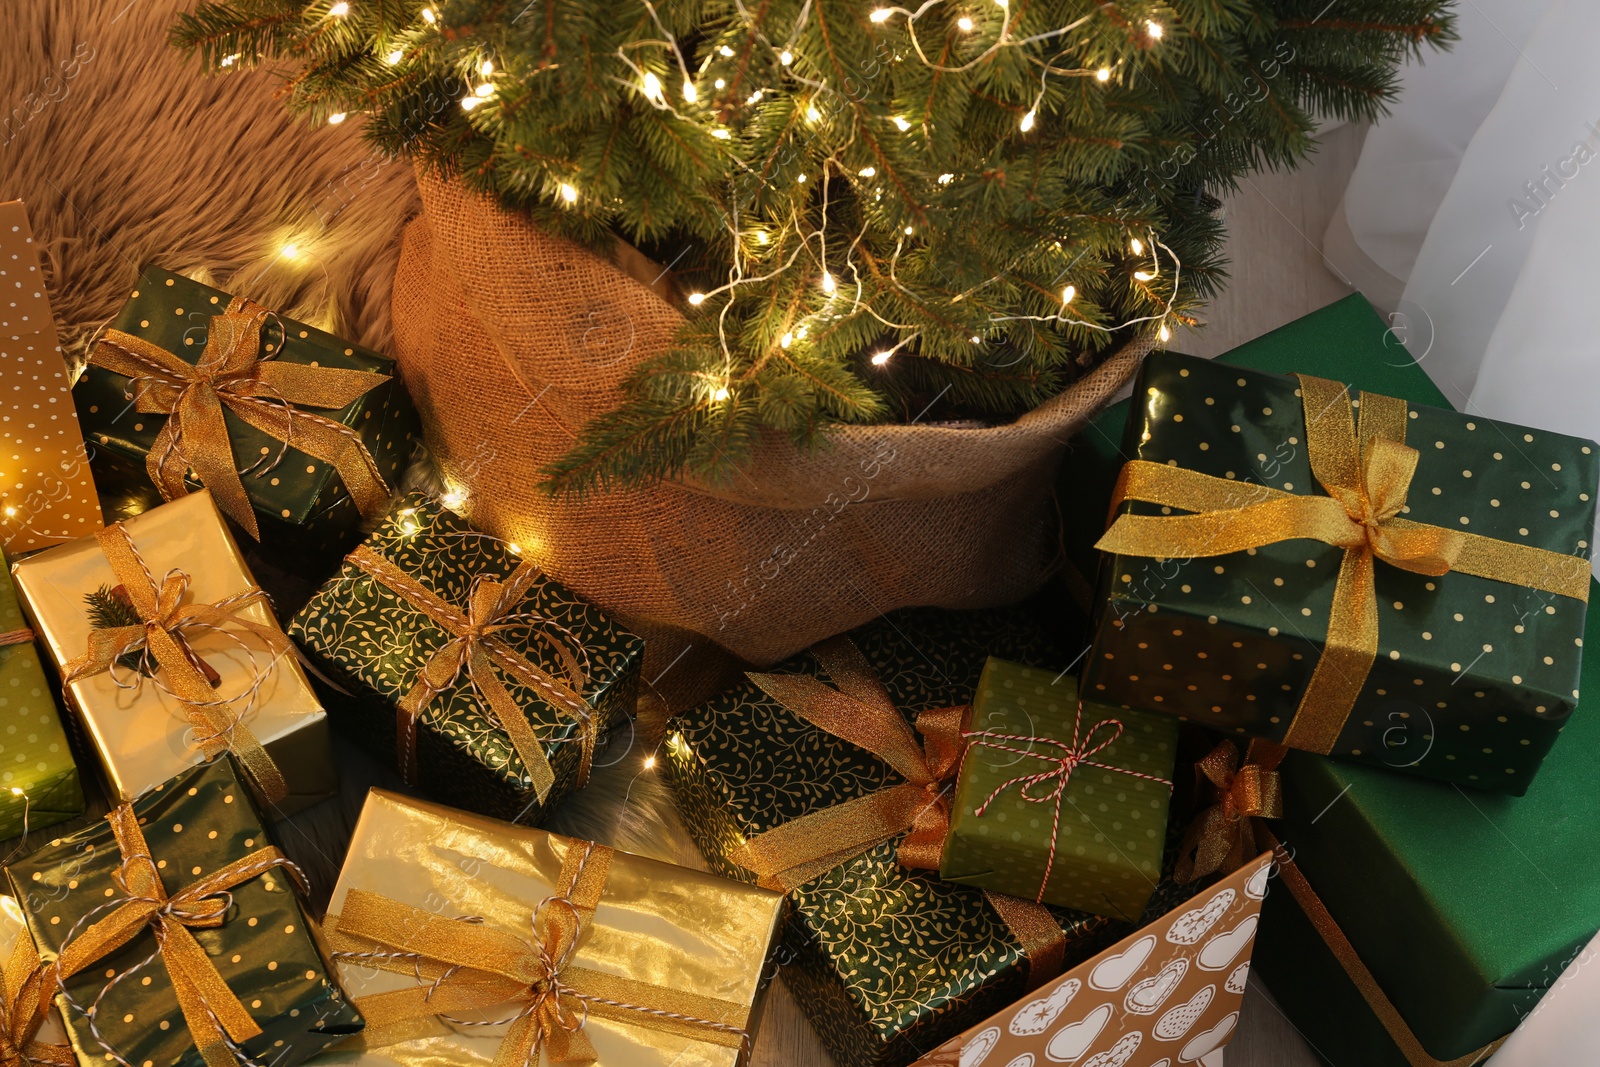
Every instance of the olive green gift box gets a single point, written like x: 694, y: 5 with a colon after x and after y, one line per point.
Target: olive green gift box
x: 265, y: 950
x: 304, y: 512
x: 374, y: 643
x: 1473, y: 679
x: 885, y: 962
x: 1104, y: 854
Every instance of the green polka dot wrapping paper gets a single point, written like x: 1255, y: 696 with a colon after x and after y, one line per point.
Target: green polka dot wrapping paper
x: 1473, y: 678
x: 374, y: 642
x: 265, y: 948
x: 885, y: 962
x: 39, y: 783
x: 306, y: 515
x: 1097, y: 846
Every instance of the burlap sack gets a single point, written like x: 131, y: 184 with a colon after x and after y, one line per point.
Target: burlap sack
x: 511, y: 340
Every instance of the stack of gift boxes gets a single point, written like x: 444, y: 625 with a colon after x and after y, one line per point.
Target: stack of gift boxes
x: 1335, y: 638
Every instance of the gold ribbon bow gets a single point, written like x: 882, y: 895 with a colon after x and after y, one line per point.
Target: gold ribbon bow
x: 165, y: 615
x: 1222, y: 838
x: 476, y: 646
x: 467, y: 966
x: 28, y: 986
x: 212, y: 1011
x: 265, y: 393
x: 1366, y: 469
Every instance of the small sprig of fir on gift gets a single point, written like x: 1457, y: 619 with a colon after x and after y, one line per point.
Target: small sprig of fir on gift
x: 110, y: 608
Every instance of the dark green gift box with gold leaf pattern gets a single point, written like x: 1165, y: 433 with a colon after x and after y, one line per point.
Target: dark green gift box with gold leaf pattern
x: 1473, y: 678
x: 1057, y: 801
x: 376, y: 641
x: 885, y: 962
x: 305, y: 513
x: 264, y: 948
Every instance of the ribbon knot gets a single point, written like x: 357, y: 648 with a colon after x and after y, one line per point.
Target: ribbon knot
x: 27, y: 985
x: 234, y: 373
x: 1224, y: 835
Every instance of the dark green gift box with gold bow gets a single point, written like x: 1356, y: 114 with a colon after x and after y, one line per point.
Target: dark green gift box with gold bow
x: 1346, y: 573
x: 486, y: 682
x: 180, y: 925
x: 886, y: 960
x: 297, y: 433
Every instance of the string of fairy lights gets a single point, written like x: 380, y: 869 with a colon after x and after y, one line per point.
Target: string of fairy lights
x: 840, y: 300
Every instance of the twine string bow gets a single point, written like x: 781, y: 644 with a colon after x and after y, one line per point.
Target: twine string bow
x: 216, y: 1018
x: 478, y: 647
x: 1366, y: 469
x: 166, y: 612
x: 1223, y: 836
x: 232, y: 374
x: 476, y: 967
x: 1066, y: 758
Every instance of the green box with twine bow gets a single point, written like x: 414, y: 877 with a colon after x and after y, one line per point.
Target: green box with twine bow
x: 1057, y: 801
x: 1349, y: 574
x: 484, y: 681
x: 180, y: 924
x: 297, y: 433
x: 830, y: 776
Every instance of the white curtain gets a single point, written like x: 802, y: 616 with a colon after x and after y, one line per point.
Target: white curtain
x: 1473, y: 216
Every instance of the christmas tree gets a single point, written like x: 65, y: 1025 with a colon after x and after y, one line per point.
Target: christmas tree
x: 871, y: 212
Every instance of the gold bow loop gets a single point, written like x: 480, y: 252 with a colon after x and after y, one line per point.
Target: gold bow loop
x: 1222, y: 838
x: 468, y: 966
x: 478, y: 647
x: 28, y: 986
x: 268, y: 394
x: 214, y: 1014
x: 165, y: 614
x: 1366, y: 470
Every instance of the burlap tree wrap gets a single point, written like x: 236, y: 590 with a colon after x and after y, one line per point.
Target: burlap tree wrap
x: 511, y: 340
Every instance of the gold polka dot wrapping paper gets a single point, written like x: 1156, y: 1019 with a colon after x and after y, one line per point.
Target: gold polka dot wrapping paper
x: 1099, y: 849
x: 306, y: 515
x: 46, y: 492
x: 1472, y: 679
x: 265, y: 949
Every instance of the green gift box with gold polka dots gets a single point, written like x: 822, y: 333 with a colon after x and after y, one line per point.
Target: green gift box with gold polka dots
x: 39, y: 783
x: 1060, y: 802
x: 264, y: 947
x: 304, y: 511
x: 1473, y: 678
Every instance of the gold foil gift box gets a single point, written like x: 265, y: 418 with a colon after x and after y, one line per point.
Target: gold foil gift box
x: 170, y: 654
x: 466, y: 940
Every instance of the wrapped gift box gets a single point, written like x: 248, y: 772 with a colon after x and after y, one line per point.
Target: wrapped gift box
x: 1096, y: 847
x: 886, y: 961
x: 364, y: 629
x: 1170, y: 991
x: 46, y: 493
x: 305, y: 513
x: 136, y: 723
x: 683, y: 933
x: 196, y: 827
x: 1479, y: 673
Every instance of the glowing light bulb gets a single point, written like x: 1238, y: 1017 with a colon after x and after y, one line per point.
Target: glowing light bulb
x: 394, y: 57
x: 880, y: 15
x: 726, y: 51
x: 568, y: 193
x: 690, y: 93
x: 428, y: 16
x: 880, y: 358
x: 228, y: 61
x: 336, y: 118
x: 812, y: 113
x: 828, y: 284
x: 697, y: 299
x: 801, y: 179
x: 1164, y: 333
x: 1002, y: 3
x: 786, y: 340
x: 484, y: 90
x: 975, y: 339
x: 786, y: 58
x: 1027, y: 121
x: 11, y: 512
x: 17, y: 792
x: 1143, y: 275
x: 408, y: 528
x: 720, y: 83
x: 290, y: 251
x: 1067, y: 294
x: 754, y: 98
x: 652, y: 86
x: 339, y: 10
x: 801, y: 332
x: 1103, y: 74
x: 908, y: 231
x: 867, y: 172
x: 902, y: 124
x: 469, y: 102
x: 513, y: 548
x: 721, y: 135
x: 1137, y: 246
x: 486, y: 68
x: 650, y: 762
x: 1154, y: 29
x: 453, y: 498
x: 720, y: 395
x: 965, y: 24
x: 946, y: 179
x: 761, y: 237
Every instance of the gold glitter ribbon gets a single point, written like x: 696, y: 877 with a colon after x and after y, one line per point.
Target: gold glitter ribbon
x: 1343, y: 951
x: 164, y: 616
x: 1223, y: 837
x: 1366, y: 470
x: 861, y: 712
x: 265, y: 393
x: 213, y: 1012
x: 476, y: 646
x: 466, y: 966
x: 27, y: 989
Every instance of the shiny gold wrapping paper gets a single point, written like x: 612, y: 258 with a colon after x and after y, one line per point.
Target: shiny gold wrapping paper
x: 657, y: 923
x: 140, y: 733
